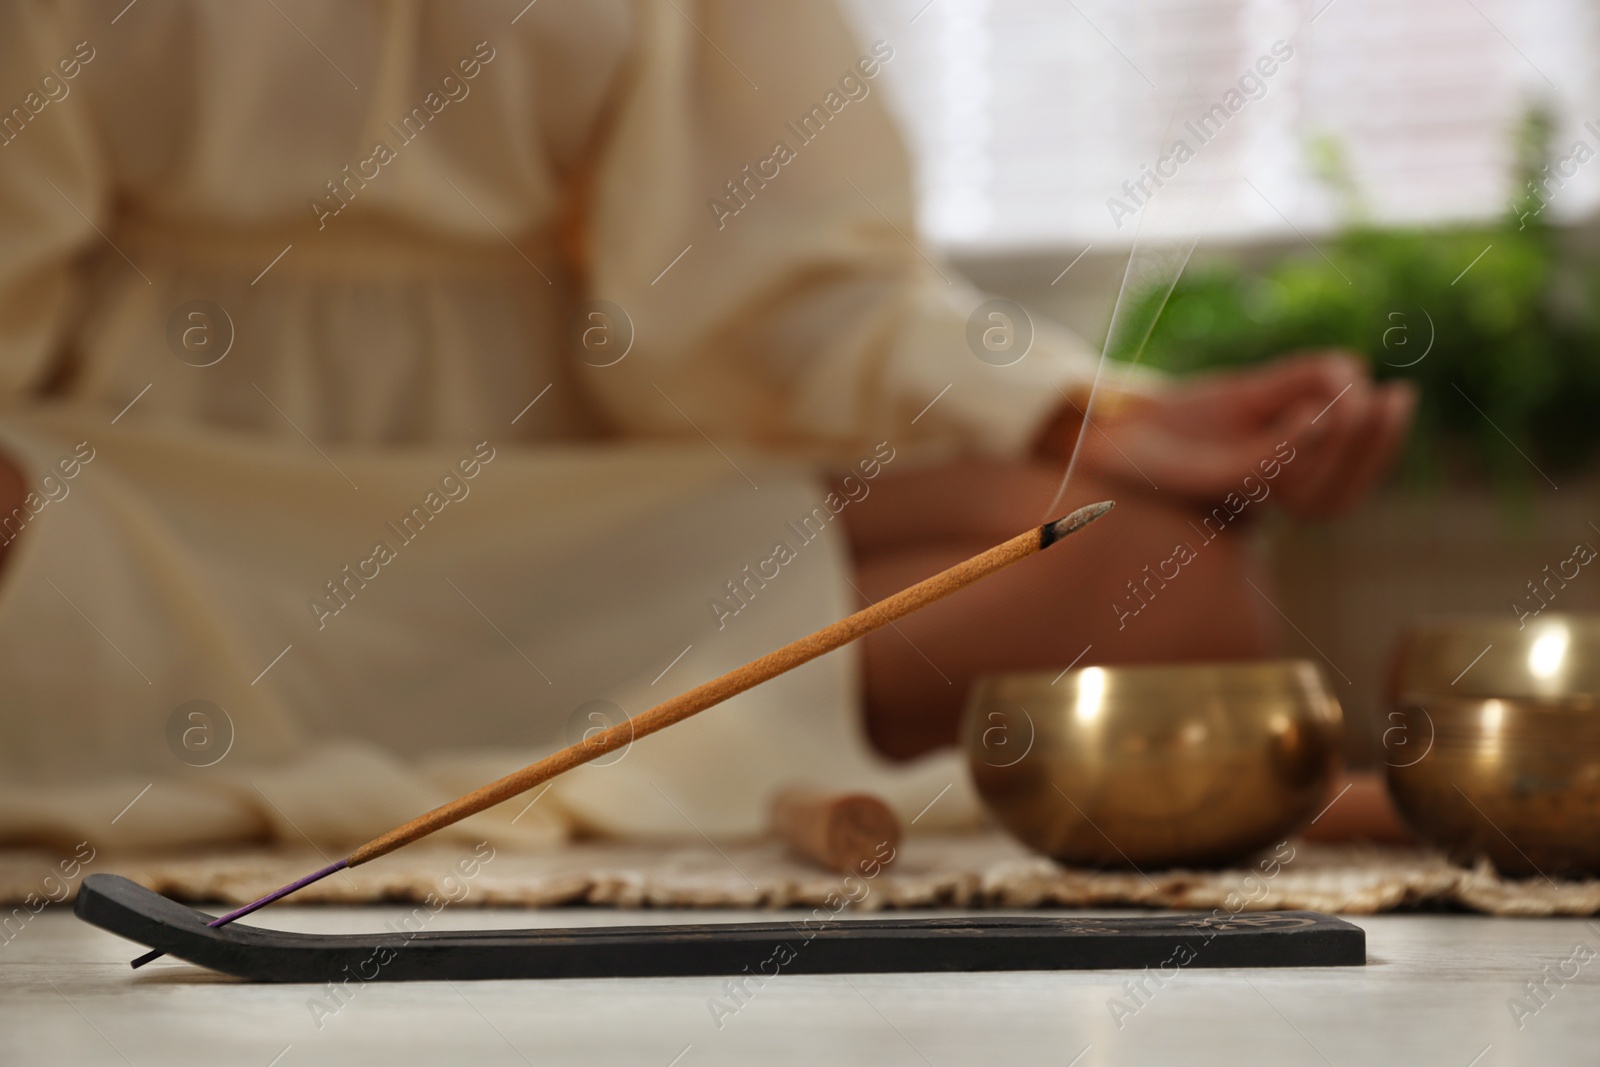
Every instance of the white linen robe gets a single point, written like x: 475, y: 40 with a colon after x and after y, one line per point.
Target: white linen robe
x: 374, y: 316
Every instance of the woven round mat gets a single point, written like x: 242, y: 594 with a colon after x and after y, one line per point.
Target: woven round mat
x: 967, y: 871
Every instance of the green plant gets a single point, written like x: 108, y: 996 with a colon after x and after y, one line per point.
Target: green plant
x: 1489, y: 320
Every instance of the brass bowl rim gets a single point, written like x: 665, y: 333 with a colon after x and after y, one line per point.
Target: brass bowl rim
x: 1544, y: 704
x: 1457, y: 622
x: 1286, y: 665
x: 1415, y: 672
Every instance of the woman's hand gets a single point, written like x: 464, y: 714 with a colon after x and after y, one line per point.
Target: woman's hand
x: 1201, y: 437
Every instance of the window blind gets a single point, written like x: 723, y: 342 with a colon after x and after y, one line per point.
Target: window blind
x: 1027, y: 116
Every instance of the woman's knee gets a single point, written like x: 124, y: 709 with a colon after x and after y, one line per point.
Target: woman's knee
x: 965, y: 501
x: 1179, y: 591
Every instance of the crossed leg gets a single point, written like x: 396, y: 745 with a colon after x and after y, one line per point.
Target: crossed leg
x: 1045, y: 612
x: 13, y: 491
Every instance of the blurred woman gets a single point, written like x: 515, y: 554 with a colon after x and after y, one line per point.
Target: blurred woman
x: 441, y: 381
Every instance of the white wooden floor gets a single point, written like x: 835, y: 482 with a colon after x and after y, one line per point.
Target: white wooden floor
x: 1435, y: 991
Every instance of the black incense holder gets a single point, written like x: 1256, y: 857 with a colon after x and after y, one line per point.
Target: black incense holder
x: 1164, y: 943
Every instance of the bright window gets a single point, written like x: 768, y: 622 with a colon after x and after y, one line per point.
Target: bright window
x: 1027, y: 116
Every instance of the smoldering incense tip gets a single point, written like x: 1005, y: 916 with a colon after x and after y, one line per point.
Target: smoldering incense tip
x: 1051, y: 532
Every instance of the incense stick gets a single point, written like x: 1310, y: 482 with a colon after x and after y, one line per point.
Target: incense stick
x: 698, y: 699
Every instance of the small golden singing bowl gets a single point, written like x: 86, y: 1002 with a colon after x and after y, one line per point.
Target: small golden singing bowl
x: 1493, y: 744
x: 1154, y: 766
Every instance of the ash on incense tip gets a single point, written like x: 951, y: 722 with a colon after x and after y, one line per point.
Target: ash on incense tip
x: 1052, y: 532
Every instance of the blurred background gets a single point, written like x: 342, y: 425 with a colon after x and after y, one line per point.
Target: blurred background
x: 1419, y: 184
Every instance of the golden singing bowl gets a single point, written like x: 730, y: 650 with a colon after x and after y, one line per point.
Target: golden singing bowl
x: 1493, y: 746
x: 1154, y: 766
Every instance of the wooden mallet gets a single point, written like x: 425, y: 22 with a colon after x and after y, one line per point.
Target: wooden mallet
x: 697, y: 699
x: 852, y: 833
